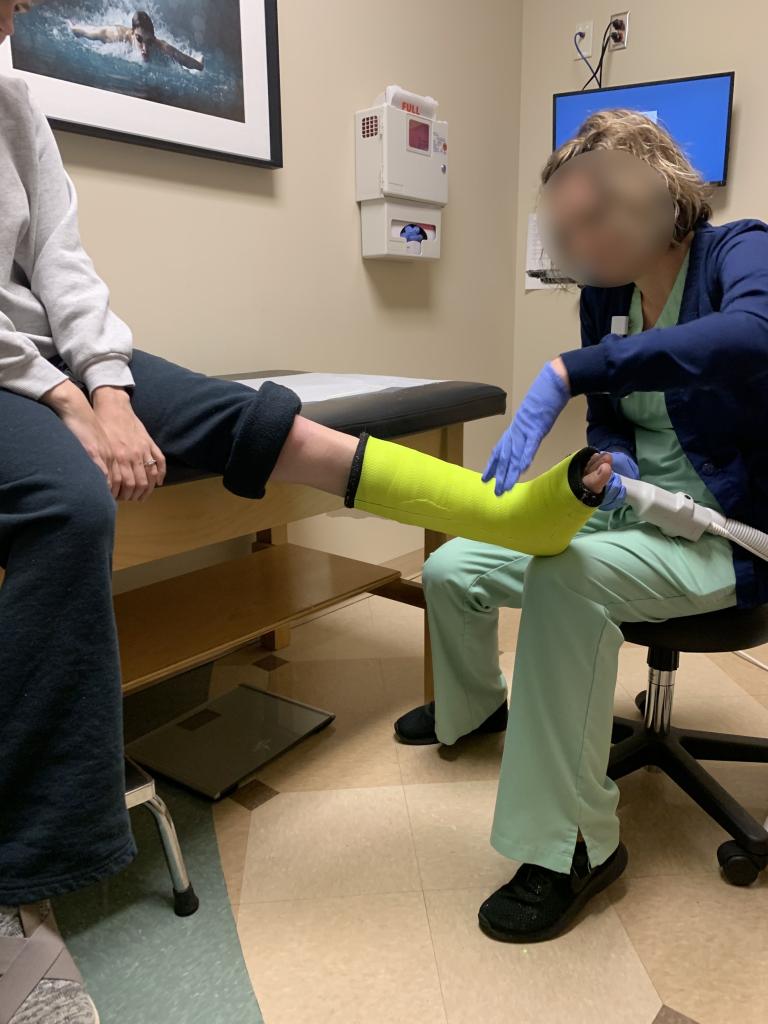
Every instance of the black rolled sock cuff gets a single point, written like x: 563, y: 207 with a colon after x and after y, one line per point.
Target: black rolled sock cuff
x: 355, y: 471
x: 576, y: 471
x: 264, y: 426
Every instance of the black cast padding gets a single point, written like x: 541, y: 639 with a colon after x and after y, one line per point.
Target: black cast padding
x: 576, y: 471
x: 393, y: 413
x: 356, y: 471
x: 733, y: 629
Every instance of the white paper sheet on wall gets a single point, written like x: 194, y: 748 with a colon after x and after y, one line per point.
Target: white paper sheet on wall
x: 320, y: 387
x: 535, y: 258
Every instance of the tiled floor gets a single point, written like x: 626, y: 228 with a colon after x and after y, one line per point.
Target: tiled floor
x: 356, y: 865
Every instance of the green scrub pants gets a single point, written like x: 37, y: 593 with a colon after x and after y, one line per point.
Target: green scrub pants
x: 553, y: 779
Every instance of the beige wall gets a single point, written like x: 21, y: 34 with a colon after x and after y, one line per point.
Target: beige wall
x: 667, y: 40
x: 228, y: 268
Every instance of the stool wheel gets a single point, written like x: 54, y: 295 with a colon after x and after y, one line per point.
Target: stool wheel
x: 738, y: 867
x: 640, y: 701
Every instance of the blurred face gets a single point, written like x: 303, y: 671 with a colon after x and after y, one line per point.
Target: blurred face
x: 607, y: 217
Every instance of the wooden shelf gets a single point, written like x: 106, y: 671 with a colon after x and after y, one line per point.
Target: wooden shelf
x: 177, y: 624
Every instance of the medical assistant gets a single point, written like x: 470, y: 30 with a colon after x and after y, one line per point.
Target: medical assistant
x: 553, y: 775
x: 713, y: 368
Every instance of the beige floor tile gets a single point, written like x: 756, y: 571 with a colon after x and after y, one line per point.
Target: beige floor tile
x: 591, y: 974
x: 451, y: 826
x: 331, y: 843
x: 633, y: 669
x: 664, y: 831
x: 735, y: 711
x: 667, y: 1015
x: 509, y: 624
x: 403, y: 680
x: 700, y: 676
x: 357, y: 749
x: 706, y: 697
x: 749, y: 677
x: 370, y: 628
x: 357, y: 960
x: 624, y: 704
x: 703, y: 943
x: 232, y: 823
x: 338, y: 635
x: 474, y: 758
x: 398, y: 629
x: 507, y: 664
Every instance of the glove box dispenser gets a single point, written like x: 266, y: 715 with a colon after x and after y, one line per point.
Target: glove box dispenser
x: 400, y: 230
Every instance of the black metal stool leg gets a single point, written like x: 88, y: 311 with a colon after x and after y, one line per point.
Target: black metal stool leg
x: 702, y: 787
x: 185, y: 901
x: 629, y: 753
x: 711, y: 746
x: 742, y: 859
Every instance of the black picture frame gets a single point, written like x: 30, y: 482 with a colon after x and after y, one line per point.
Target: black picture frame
x: 275, y: 160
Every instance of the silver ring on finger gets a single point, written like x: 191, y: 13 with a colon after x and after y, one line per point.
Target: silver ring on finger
x: 150, y: 462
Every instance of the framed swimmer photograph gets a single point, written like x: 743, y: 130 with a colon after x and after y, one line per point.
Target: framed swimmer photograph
x: 196, y: 76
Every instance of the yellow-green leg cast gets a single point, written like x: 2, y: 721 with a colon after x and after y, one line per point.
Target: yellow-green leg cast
x: 538, y: 517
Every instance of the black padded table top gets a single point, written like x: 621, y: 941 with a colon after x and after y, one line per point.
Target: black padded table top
x: 394, y: 412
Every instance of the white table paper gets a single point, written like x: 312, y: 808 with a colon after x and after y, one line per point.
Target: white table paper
x: 320, y: 387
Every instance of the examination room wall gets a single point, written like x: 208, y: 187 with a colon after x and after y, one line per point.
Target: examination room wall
x: 667, y: 40
x: 228, y: 268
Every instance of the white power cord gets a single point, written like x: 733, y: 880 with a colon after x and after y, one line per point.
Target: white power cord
x: 751, y: 660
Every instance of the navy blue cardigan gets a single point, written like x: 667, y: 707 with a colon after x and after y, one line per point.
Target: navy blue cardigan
x: 712, y: 367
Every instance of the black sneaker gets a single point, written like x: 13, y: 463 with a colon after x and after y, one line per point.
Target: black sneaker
x: 538, y: 903
x: 417, y: 727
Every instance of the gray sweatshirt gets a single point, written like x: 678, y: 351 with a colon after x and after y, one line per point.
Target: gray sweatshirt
x: 52, y: 301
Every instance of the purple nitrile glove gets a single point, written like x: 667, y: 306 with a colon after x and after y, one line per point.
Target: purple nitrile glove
x: 515, y: 450
x: 615, y: 491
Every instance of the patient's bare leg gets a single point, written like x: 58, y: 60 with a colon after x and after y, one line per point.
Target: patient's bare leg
x: 320, y: 457
x: 316, y: 456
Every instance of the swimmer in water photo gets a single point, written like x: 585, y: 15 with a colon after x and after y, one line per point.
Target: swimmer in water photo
x: 140, y: 35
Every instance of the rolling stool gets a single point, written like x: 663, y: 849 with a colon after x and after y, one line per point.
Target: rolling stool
x: 677, y: 752
x: 140, y: 789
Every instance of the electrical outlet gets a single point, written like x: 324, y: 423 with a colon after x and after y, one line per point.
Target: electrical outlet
x: 619, y: 38
x: 585, y: 40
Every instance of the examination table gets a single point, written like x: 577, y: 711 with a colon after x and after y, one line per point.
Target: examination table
x: 171, y: 626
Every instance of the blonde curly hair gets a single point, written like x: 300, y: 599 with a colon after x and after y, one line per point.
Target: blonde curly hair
x: 634, y: 132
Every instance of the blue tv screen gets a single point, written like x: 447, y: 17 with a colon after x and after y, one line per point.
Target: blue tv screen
x: 695, y: 111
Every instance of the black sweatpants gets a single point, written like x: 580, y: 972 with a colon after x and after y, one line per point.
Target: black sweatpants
x: 63, y: 822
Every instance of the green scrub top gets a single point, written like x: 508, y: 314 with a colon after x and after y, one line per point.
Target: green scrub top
x: 660, y: 456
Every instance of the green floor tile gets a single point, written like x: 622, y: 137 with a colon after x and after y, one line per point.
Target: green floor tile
x: 144, y: 965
